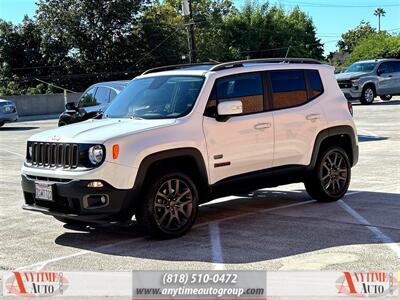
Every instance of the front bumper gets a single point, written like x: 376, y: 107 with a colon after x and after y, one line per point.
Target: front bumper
x: 70, y: 200
x: 350, y: 93
x: 9, y: 117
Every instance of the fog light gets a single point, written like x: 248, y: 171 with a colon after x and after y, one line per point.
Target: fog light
x: 95, y: 184
x: 95, y: 201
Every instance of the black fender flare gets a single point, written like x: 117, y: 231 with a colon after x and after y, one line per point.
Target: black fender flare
x: 343, y: 130
x: 149, y: 160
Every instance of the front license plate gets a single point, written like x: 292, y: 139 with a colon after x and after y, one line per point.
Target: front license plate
x: 44, y: 191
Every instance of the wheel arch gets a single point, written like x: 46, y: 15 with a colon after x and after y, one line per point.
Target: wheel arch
x: 371, y: 84
x: 343, y: 136
x: 189, y: 160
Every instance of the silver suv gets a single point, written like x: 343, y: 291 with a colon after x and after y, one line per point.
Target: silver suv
x: 365, y: 80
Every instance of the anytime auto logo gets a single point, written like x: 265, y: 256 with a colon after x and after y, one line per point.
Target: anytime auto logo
x: 36, y: 284
x: 367, y: 284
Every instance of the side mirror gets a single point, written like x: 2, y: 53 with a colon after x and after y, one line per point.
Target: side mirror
x: 230, y: 108
x: 379, y: 72
x: 71, y: 106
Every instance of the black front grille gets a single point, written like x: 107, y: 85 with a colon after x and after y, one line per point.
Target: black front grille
x: 55, y: 155
x: 345, y: 84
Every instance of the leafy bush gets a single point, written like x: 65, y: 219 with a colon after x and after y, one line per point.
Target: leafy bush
x: 377, y: 45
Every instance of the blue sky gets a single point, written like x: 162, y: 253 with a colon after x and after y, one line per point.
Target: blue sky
x: 331, y: 18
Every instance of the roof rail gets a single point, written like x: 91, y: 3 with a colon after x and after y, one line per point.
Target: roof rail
x: 175, y: 67
x: 241, y: 63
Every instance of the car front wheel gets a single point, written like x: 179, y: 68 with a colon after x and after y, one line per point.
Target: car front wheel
x: 367, y: 95
x: 330, y: 179
x: 169, y: 206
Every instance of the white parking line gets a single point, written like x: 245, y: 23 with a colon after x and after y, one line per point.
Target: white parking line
x: 214, y: 236
x: 379, y: 234
x: 40, y: 265
x: 15, y: 153
x: 216, y: 248
x: 215, y: 240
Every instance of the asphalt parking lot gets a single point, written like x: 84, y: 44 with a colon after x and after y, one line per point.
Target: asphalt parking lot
x: 274, y: 229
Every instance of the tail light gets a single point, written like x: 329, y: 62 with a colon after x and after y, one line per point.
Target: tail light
x: 350, y: 107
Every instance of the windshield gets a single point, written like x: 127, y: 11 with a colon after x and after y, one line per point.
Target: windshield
x: 361, y: 67
x: 160, y: 97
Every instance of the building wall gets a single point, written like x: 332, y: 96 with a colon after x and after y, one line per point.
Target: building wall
x: 31, y: 105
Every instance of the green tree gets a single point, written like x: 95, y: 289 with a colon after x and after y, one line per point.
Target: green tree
x: 377, y: 45
x: 379, y: 12
x: 352, y: 37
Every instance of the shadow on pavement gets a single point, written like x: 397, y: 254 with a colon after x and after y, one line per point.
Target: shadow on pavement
x: 371, y: 138
x: 16, y: 128
x: 390, y: 102
x: 250, y: 231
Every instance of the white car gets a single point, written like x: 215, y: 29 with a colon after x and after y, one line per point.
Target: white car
x: 179, y: 136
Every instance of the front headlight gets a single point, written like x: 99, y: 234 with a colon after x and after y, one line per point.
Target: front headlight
x: 96, y: 154
x: 30, y: 151
x: 354, y: 82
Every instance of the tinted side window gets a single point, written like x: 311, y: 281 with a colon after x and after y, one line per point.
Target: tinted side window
x: 315, y: 83
x: 102, y: 96
x: 396, y: 66
x: 244, y: 87
x: 211, y: 108
x: 384, y: 68
x: 87, y: 98
x: 288, y: 88
x: 113, y: 94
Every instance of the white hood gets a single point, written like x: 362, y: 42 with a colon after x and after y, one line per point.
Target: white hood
x: 98, y: 131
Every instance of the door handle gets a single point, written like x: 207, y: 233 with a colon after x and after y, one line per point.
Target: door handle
x: 261, y: 126
x: 390, y: 76
x: 313, y: 117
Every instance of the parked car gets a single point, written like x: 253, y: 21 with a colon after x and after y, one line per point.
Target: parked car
x: 8, y: 112
x: 365, y: 80
x: 179, y: 136
x: 93, y: 102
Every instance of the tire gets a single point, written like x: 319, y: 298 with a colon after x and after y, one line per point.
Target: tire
x: 330, y: 179
x: 386, y: 97
x: 165, y: 213
x: 71, y: 221
x: 1, y: 124
x: 367, y: 95
x: 61, y: 123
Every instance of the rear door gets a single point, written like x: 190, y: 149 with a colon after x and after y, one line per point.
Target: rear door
x: 396, y: 75
x: 386, y: 78
x: 297, y: 114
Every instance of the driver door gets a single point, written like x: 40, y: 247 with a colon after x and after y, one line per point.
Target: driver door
x: 243, y: 143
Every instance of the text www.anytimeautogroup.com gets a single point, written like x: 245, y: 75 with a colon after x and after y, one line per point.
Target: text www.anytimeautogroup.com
x: 199, y: 292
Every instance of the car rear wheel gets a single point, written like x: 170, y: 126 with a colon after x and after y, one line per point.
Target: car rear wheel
x: 330, y: 179
x: 169, y: 206
x: 367, y: 95
x: 386, y: 97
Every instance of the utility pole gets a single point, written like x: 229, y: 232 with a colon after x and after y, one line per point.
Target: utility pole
x: 187, y: 11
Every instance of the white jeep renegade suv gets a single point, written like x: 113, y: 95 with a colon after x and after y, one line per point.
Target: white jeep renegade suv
x: 179, y: 136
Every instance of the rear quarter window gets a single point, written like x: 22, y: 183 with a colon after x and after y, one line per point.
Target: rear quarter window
x: 316, y: 86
